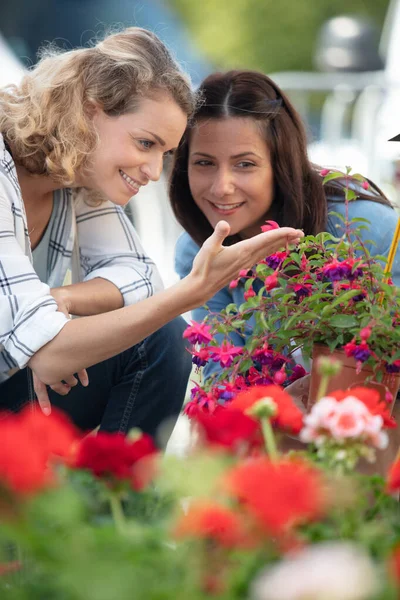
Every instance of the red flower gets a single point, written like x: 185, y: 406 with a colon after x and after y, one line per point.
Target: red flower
x: 279, y: 495
x: 29, y: 441
x: 288, y: 417
x: 211, y: 521
x: 229, y: 428
x: 372, y: 401
x: 115, y: 456
x: 393, y: 478
x: 271, y: 282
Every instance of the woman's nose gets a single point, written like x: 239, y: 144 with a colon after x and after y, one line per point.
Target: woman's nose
x: 152, y: 169
x: 222, y: 185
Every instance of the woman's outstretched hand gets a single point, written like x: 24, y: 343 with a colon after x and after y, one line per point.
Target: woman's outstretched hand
x: 216, y: 265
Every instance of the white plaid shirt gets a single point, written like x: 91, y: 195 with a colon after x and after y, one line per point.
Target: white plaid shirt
x: 108, y: 247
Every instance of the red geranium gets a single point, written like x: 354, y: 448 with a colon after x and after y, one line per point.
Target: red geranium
x: 229, y: 428
x: 279, y: 495
x: 29, y: 441
x: 288, y: 416
x: 211, y: 521
x: 372, y: 401
x: 115, y: 457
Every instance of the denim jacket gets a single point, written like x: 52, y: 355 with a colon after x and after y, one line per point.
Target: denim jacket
x: 378, y: 238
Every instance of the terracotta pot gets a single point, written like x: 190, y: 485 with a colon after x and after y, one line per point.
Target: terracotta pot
x: 348, y: 376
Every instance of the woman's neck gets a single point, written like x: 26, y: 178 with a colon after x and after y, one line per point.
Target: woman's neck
x: 35, y: 188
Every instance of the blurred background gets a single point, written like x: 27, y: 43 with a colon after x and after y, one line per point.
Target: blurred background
x: 337, y: 59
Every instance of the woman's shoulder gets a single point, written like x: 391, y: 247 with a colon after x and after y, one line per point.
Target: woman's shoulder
x: 185, y: 252
x: 363, y: 208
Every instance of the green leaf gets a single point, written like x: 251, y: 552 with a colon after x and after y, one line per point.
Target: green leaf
x: 332, y: 175
x: 338, y: 215
x: 245, y: 365
x: 343, y: 321
x: 344, y: 298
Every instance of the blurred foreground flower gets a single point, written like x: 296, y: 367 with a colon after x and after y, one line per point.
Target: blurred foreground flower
x: 278, y: 495
x: 332, y: 571
x: 114, y: 457
x: 30, y: 442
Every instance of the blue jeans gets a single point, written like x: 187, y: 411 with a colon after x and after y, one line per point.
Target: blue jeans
x: 142, y: 387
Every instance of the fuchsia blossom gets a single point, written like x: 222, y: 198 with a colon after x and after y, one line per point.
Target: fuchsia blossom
x: 360, y: 352
x: 393, y: 367
x: 225, y: 353
x: 233, y: 284
x: 271, y: 282
x: 275, y: 260
x: 346, y: 269
x: 249, y: 294
x: 297, y: 373
x: 198, y: 333
x: 324, y: 172
x: 200, y: 357
x: 269, y: 225
x: 268, y: 356
x: 365, y: 185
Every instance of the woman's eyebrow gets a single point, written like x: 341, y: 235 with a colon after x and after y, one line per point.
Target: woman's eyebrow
x: 240, y: 155
x: 159, y: 140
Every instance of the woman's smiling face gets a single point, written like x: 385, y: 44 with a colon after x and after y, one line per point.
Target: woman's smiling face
x: 230, y: 173
x: 132, y: 147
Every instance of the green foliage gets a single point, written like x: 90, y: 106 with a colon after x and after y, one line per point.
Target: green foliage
x: 264, y: 34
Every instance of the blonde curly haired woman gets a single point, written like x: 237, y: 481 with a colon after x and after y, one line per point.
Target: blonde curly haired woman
x: 84, y: 131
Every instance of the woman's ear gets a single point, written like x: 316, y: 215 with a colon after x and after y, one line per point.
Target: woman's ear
x: 92, y: 108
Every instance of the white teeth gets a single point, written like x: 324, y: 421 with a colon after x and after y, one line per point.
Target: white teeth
x: 228, y: 206
x: 129, y: 180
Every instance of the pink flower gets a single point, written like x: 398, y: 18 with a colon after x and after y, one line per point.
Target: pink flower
x: 271, y: 282
x: 198, y: 333
x: 365, y: 185
x: 225, y: 353
x: 233, y: 284
x: 324, y: 172
x: 269, y: 225
x: 249, y: 294
x: 348, y: 419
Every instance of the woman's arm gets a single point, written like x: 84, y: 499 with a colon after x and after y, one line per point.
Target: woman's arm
x: 89, y: 340
x: 92, y: 297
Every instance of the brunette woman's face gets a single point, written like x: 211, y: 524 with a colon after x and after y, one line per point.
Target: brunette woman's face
x: 132, y: 147
x: 230, y: 173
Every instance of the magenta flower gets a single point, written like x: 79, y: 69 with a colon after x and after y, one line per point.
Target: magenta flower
x: 271, y: 282
x: 275, y: 260
x: 198, y: 333
x: 200, y: 357
x: 225, y: 353
x: 269, y: 225
x: 360, y: 352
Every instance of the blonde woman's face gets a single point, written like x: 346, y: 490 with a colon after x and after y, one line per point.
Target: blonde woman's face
x: 132, y: 147
x: 230, y: 173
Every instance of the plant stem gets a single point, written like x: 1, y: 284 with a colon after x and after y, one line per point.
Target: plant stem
x: 117, y: 512
x: 323, y: 386
x: 269, y: 438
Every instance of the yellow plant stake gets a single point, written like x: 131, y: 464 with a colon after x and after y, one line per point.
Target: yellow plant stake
x: 393, y: 248
x: 391, y: 255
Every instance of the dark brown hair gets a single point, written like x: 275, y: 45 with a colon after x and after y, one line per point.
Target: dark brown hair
x: 299, y: 198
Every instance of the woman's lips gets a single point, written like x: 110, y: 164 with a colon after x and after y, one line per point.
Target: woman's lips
x: 225, y: 208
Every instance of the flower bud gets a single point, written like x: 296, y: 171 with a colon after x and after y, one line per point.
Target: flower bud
x: 365, y: 333
x: 264, y: 408
x: 233, y: 284
x: 328, y: 366
x: 243, y: 273
x: 324, y: 172
x: 365, y: 185
x: 280, y: 377
x: 249, y: 294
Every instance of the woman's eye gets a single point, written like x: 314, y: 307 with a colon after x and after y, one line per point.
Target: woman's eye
x: 146, y: 144
x: 245, y: 164
x: 203, y: 163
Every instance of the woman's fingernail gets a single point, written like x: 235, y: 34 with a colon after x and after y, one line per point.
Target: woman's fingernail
x: 47, y: 410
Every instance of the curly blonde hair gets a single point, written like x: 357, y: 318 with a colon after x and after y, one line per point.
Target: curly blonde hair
x: 46, y: 119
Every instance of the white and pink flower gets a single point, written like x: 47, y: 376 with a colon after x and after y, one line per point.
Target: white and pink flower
x: 348, y: 419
